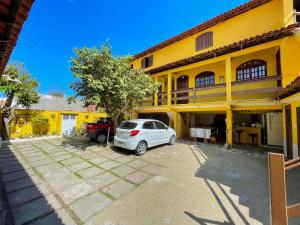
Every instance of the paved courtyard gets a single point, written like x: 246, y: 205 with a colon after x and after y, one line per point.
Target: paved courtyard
x: 75, y: 181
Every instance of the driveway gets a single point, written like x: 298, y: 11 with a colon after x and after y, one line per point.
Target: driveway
x: 75, y: 181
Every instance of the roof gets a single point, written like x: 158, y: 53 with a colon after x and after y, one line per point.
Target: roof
x: 292, y: 88
x: 52, y: 103
x: 236, y: 46
x: 203, y: 26
x: 13, y: 14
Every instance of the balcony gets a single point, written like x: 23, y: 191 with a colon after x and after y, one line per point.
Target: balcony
x: 201, y: 94
x: 262, y: 88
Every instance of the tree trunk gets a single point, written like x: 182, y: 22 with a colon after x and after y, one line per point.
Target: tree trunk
x: 6, y: 114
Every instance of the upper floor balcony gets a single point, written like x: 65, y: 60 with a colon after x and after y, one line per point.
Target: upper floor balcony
x: 251, y: 76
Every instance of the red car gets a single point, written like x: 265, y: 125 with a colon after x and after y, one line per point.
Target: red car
x: 100, y: 130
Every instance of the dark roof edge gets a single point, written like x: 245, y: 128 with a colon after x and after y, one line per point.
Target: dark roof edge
x: 203, y: 26
x: 236, y: 46
x: 291, y: 89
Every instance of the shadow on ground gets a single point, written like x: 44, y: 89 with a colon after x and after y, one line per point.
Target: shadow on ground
x: 25, y: 199
x: 221, y: 169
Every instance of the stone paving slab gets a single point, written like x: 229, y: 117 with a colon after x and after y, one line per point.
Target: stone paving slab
x: 103, y: 180
x: 88, y: 206
x: 71, y: 161
x: 18, y: 184
x: 109, y: 165
x: 123, y: 171
x: 98, y: 160
x: 153, y: 169
x: 137, y: 164
x: 23, y: 195
x: 79, y: 166
x: 59, y: 217
x: 119, y: 188
x: 75, y: 192
x: 14, y: 176
x: 30, y: 211
x: 90, y: 172
x: 138, y: 177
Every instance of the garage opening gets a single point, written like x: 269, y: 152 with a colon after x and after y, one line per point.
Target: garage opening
x: 163, y: 117
x: 258, y: 129
x: 208, y: 127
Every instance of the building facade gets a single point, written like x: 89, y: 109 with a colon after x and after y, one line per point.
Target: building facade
x: 227, y: 74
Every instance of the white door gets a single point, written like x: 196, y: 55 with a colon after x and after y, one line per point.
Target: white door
x: 68, y: 125
x: 274, y: 129
x: 149, y: 132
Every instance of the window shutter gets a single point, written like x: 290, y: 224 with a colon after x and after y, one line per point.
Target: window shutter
x: 143, y: 63
x: 150, y: 60
x: 204, y: 41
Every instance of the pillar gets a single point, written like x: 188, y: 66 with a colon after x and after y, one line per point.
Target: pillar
x: 169, y: 92
x: 229, y: 118
x: 228, y: 79
x: 294, y: 130
x: 156, y: 93
x: 176, y: 123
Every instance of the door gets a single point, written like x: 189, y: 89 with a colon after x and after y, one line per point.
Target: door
x: 149, y: 133
x: 298, y: 129
x: 162, y: 135
x: 274, y: 129
x: 68, y: 125
x: 288, y: 124
x: 183, y: 84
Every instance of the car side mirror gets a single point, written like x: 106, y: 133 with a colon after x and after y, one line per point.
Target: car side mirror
x: 167, y: 128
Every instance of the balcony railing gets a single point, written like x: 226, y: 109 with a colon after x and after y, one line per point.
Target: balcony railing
x: 266, y: 87
x: 248, y: 89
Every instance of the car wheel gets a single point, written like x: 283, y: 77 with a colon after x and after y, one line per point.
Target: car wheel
x: 101, y: 138
x: 141, y: 148
x: 172, y: 140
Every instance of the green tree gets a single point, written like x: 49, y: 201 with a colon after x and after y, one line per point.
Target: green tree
x: 109, y: 82
x: 19, y: 89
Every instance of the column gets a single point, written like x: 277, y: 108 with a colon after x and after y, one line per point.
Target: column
x: 156, y: 93
x: 176, y: 123
x: 294, y: 130
x: 228, y: 79
x: 229, y: 126
x: 169, y: 94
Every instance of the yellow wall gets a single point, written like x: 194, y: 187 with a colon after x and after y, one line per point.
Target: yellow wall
x: 22, y: 126
x: 290, y: 61
x: 256, y: 21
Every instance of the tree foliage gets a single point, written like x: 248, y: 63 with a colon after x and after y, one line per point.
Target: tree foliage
x: 18, y: 89
x: 109, y: 82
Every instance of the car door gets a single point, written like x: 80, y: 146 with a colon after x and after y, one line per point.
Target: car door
x: 162, y: 133
x: 149, y: 133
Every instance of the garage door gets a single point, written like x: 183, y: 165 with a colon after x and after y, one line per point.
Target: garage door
x: 68, y: 125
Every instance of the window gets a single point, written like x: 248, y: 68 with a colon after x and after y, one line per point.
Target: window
x: 147, y: 62
x: 148, y: 125
x: 128, y: 125
x: 251, y: 70
x: 204, y: 41
x: 205, y: 79
x: 160, y: 126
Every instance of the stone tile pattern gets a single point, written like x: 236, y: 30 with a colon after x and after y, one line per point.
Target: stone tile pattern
x: 66, y: 181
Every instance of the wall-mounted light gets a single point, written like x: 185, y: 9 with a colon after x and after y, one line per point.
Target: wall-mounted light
x: 53, y: 116
x: 87, y: 116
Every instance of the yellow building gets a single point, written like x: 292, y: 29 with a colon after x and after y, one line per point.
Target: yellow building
x: 226, y: 75
x: 52, y: 116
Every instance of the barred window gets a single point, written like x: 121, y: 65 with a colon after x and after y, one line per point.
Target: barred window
x: 204, y: 41
x: 205, y: 79
x: 252, y: 70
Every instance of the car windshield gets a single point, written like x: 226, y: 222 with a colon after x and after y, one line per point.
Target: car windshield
x: 128, y: 125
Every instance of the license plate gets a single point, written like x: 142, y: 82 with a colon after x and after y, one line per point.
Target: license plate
x: 120, y: 142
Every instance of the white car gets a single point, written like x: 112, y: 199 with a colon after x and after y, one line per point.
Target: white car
x: 141, y: 134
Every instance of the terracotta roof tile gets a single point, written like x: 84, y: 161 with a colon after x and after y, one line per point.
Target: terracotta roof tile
x: 13, y: 14
x: 221, y: 18
x: 236, y: 46
x: 292, y: 88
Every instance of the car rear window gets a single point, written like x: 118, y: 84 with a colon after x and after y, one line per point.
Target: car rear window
x: 128, y: 125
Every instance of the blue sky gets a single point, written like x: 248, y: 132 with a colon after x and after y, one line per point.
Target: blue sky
x: 55, y: 27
